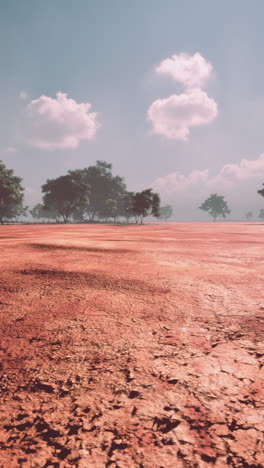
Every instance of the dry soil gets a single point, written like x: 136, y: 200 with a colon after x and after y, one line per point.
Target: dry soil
x: 132, y: 346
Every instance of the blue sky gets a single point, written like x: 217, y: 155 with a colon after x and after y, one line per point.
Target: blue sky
x: 106, y: 53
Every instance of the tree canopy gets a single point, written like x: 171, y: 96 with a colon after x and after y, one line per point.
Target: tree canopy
x: 249, y: 215
x: 11, y: 194
x: 145, y: 203
x: 126, y: 205
x: 66, y: 194
x: 92, y: 194
x: 215, y: 206
x: 261, y: 213
x: 261, y: 191
x: 166, y: 212
x: 103, y: 187
x: 39, y: 212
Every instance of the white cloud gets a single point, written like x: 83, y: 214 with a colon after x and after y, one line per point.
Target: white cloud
x: 178, y: 182
x: 238, y: 182
x: 23, y: 95
x: 246, y: 169
x: 11, y: 149
x: 60, y: 123
x: 192, y: 71
x: 174, y: 116
x: 228, y: 177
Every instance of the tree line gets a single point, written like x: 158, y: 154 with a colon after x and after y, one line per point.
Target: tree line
x: 82, y: 195
x: 93, y: 194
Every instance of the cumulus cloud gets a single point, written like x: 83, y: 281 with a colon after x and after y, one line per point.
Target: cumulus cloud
x: 246, y: 169
x: 192, y: 71
x: 228, y: 177
x: 177, y: 182
x: 60, y: 123
x: 174, y: 116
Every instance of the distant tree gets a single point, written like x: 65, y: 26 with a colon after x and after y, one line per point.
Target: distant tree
x: 38, y: 212
x: 110, y: 210
x: 249, y: 215
x: 11, y: 194
x: 126, y: 205
x: 215, y: 206
x: 261, y: 191
x: 66, y: 194
x: 261, y: 213
x: 166, y: 212
x: 146, y: 203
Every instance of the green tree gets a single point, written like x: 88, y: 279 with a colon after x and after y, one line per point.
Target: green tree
x: 215, y: 206
x: 261, y: 214
x: 11, y: 194
x: 110, y: 210
x: 249, y: 215
x: 146, y: 203
x: 261, y: 191
x: 126, y: 206
x: 38, y: 212
x: 66, y: 194
x: 104, y: 186
x: 166, y: 212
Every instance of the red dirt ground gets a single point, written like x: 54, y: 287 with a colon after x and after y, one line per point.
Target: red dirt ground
x: 132, y: 346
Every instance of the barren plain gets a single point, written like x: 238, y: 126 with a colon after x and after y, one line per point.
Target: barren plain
x: 132, y: 346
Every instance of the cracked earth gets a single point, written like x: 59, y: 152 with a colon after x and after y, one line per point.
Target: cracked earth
x: 132, y: 346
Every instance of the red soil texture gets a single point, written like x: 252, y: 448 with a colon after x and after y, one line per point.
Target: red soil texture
x: 132, y: 346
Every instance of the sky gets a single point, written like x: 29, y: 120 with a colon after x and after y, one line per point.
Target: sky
x: 170, y: 92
